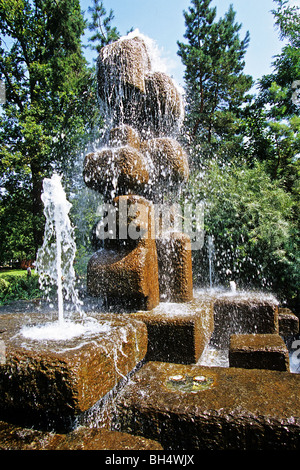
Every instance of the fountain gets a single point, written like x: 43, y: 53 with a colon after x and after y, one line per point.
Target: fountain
x: 131, y: 375
x: 141, y: 167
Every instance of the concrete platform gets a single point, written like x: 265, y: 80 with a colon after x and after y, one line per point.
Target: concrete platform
x: 259, y: 352
x: 52, y: 382
x: 238, y: 409
x: 178, y: 332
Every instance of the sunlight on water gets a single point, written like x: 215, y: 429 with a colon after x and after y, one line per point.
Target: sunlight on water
x: 66, y: 330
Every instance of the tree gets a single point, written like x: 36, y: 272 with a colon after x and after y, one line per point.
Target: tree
x: 251, y: 219
x: 50, y: 101
x: 215, y: 83
x: 104, y: 33
x: 278, y: 104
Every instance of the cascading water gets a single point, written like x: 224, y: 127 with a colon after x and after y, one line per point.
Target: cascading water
x: 56, y: 256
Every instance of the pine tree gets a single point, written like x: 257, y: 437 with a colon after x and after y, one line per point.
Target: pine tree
x: 279, y: 102
x: 104, y: 33
x: 215, y: 83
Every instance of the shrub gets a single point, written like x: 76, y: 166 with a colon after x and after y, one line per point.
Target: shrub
x: 253, y: 224
x: 18, y: 288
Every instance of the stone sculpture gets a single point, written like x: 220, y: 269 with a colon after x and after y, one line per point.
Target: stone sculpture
x: 141, y: 164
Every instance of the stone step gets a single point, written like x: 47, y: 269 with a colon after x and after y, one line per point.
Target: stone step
x: 288, y: 322
x: 14, y: 437
x: 248, y: 313
x: 258, y: 352
x: 178, y: 332
x: 51, y: 383
x: 187, y: 407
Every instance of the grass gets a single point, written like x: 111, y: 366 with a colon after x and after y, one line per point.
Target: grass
x: 13, y: 272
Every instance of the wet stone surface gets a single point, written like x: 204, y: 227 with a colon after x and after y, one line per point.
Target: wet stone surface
x: 258, y: 352
x: 14, y: 437
x: 243, y: 410
x: 51, y: 382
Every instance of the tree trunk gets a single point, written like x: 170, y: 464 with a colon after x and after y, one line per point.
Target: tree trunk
x: 37, y: 207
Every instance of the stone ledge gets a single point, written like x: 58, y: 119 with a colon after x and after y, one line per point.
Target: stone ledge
x: 288, y: 322
x: 17, y: 438
x: 242, y: 410
x: 243, y: 314
x: 258, y: 352
x: 50, y: 383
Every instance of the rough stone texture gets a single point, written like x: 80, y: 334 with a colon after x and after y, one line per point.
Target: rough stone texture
x: 14, y: 437
x: 126, y: 275
x: 169, y: 159
x: 243, y: 409
x: 134, y: 93
x: 178, y: 333
x: 258, y: 352
x: 153, y: 168
x: 288, y: 322
x: 122, y: 66
x: 243, y: 314
x: 144, y: 107
x: 163, y: 104
x: 52, y: 382
x: 124, y: 135
x: 119, y: 170
x: 175, y: 267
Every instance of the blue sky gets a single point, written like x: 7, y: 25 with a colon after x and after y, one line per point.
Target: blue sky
x: 163, y: 21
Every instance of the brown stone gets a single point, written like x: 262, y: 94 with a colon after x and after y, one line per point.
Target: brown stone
x: 169, y: 160
x: 288, y: 322
x: 124, y: 135
x: 126, y: 275
x: 175, y: 267
x: 243, y: 314
x: 178, y: 333
x: 122, y: 65
x: 133, y: 93
x: 14, y: 437
x: 163, y: 107
x: 115, y: 171
x: 238, y: 409
x: 258, y: 352
x: 51, y: 381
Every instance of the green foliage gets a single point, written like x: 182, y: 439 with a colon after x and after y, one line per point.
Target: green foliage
x: 104, y: 33
x: 272, y: 122
x: 50, y: 111
x: 251, y: 219
x: 215, y: 83
x: 14, y: 288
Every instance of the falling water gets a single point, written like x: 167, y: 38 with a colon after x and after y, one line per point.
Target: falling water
x: 56, y: 256
x: 210, y: 258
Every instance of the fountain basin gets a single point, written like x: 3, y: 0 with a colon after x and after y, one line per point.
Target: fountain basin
x: 243, y: 409
x: 52, y: 382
